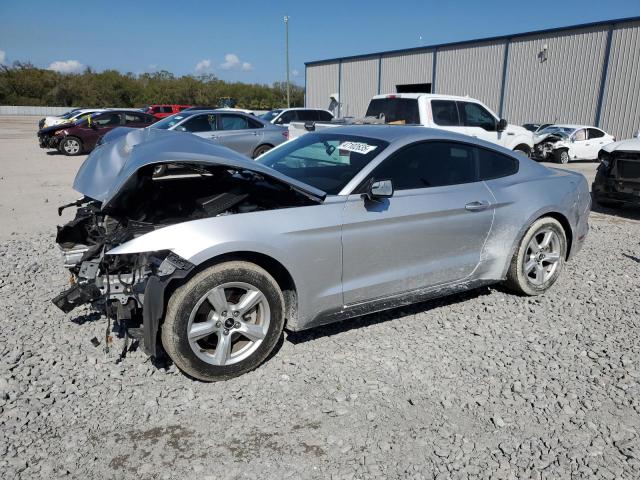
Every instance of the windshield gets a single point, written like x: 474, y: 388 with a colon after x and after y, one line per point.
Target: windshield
x: 324, y: 160
x: 563, y: 131
x: 267, y: 117
x: 168, y: 122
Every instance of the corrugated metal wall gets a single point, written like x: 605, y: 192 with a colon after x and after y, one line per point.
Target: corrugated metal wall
x: 359, y: 84
x: 562, y: 89
x: 474, y: 70
x: 405, y: 69
x: 322, y: 81
x: 621, y: 103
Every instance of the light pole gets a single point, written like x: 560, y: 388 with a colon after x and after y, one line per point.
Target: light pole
x: 286, y: 49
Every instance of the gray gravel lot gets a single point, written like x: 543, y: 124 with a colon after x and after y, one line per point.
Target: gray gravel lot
x: 480, y: 385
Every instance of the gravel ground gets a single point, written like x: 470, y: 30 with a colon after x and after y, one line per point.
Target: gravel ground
x: 480, y: 385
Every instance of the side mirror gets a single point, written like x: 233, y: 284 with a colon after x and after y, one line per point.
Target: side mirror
x: 378, y: 189
x: 278, y: 121
x: 502, y: 125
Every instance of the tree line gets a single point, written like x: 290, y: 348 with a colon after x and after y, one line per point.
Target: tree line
x: 25, y: 84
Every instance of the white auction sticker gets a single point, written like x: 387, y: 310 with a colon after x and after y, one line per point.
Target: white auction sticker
x: 357, y: 147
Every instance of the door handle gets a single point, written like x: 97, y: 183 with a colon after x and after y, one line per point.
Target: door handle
x: 213, y: 136
x: 477, y: 206
x: 255, y: 133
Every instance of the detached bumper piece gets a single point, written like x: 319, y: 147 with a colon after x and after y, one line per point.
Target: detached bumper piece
x: 78, y: 294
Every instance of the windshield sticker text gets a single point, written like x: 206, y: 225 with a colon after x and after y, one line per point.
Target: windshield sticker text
x: 357, y: 147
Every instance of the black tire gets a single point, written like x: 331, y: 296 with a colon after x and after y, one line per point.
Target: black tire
x: 261, y: 149
x: 523, y: 149
x: 71, y: 146
x: 186, y: 298
x: 562, y: 156
x: 517, y: 280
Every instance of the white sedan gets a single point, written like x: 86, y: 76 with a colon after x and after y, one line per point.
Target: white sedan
x: 563, y: 143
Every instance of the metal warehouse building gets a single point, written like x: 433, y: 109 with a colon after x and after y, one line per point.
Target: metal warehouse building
x: 587, y: 74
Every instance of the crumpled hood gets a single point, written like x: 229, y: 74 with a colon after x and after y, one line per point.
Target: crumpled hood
x: 629, y: 145
x: 561, y: 137
x: 106, y: 170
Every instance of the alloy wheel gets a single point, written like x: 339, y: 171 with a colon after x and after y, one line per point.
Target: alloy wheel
x: 542, y: 257
x: 71, y: 146
x: 228, y: 324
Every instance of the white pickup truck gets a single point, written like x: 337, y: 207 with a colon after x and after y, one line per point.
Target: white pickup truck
x: 456, y: 114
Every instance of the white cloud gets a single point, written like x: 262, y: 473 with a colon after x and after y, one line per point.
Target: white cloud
x: 231, y: 61
x: 3, y: 56
x: 66, y: 66
x: 203, y: 66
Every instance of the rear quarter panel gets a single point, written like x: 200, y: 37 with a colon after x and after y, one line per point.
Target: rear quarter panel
x: 535, y: 191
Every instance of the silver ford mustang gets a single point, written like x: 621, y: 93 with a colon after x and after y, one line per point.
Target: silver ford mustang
x: 209, y: 263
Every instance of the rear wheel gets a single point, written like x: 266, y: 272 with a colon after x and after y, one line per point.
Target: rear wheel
x: 71, y: 146
x: 539, y: 259
x: 224, y: 321
x: 261, y: 149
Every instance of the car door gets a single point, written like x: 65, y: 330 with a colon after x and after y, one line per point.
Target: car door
x: 238, y: 132
x: 430, y: 232
x: 480, y: 123
x: 597, y: 140
x: 98, y: 125
x: 580, y: 147
x: 202, y: 125
x: 135, y: 120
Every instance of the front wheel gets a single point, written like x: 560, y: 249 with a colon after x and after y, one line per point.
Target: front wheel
x: 562, y: 156
x: 223, y: 322
x: 539, y: 259
x: 71, y: 146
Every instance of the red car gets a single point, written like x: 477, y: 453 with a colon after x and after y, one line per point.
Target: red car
x: 82, y: 136
x: 161, y: 111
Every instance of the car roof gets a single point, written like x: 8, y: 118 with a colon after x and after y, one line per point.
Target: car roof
x: 573, y: 126
x: 431, y: 96
x: 392, y: 133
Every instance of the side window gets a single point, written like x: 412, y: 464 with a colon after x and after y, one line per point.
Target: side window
x: 324, y: 116
x: 133, y: 118
x: 156, y: 109
x: 107, y: 120
x: 254, y: 123
x: 580, y: 135
x: 429, y: 164
x: 167, y: 109
x: 287, y: 117
x: 307, y: 115
x: 233, y: 122
x: 445, y: 113
x: 595, y: 133
x: 475, y: 115
x: 495, y: 165
x: 198, y: 123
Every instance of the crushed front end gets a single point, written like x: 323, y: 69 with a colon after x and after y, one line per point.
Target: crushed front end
x: 115, y: 285
x: 617, y: 179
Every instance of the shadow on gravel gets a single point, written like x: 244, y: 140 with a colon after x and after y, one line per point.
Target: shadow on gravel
x: 628, y: 212
x: 631, y: 257
x: 380, y: 317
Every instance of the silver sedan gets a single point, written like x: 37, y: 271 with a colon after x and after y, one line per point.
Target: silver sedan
x: 238, y: 131
x: 212, y: 263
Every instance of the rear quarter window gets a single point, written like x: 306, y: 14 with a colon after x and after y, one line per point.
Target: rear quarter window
x: 495, y: 165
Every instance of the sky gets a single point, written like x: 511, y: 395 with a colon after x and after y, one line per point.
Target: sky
x: 245, y: 40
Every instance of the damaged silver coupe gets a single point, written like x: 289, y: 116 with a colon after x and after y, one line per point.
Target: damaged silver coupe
x: 211, y: 261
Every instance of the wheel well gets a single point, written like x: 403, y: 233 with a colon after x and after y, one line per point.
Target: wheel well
x: 262, y: 145
x: 523, y: 147
x: 280, y: 274
x: 566, y: 226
